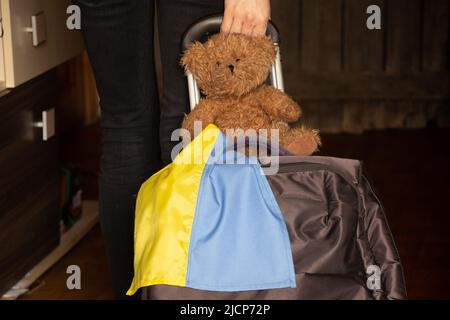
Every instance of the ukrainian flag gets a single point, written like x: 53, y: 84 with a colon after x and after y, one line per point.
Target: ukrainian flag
x: 211, y: 226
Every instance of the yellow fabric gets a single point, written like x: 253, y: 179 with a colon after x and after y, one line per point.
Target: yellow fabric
x: 165, y: 210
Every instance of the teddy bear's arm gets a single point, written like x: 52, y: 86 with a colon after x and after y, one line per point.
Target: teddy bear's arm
x: 278, y: 105
x: 205, y: 112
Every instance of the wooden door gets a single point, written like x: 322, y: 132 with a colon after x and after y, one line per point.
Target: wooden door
x: 350, y: 78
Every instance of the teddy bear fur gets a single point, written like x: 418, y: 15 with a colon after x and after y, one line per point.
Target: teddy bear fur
x: 230, y: 71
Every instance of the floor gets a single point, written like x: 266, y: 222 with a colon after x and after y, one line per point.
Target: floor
x: 410, y: 170
x: 95, y: 278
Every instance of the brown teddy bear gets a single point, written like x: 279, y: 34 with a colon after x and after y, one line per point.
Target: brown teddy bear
x: 230, y: 71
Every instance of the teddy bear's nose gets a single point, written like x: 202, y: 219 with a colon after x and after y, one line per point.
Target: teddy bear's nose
x: 231, y: 67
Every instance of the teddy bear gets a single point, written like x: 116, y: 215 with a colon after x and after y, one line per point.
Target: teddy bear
x: 231, y: 71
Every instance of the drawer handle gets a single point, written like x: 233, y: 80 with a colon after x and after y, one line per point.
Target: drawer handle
x: 38, y: 29
x: 47, y: 124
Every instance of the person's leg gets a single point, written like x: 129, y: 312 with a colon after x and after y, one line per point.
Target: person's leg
x: 174, y: 17
x: 119, y: 39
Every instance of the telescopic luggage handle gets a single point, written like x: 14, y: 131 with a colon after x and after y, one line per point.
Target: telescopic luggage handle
x: 207, y: 26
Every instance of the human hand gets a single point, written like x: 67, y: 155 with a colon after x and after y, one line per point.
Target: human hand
x: 246, y: 16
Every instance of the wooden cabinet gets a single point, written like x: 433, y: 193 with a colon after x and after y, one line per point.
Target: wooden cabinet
x: 29, y: 180
x: 34, y: 39
x: 28, y: 54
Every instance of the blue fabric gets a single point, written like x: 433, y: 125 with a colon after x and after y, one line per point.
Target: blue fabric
x: 239, y: 240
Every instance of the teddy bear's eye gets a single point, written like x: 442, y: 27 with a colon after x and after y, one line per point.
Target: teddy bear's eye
x: 218, y: 63
x: 237, y: 60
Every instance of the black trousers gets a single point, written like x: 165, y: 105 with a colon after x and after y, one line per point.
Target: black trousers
x: 136, y: 128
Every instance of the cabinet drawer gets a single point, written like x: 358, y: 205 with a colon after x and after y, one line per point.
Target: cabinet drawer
x: 29, y: 180
x: 26, y: 161
x: 23, y: 59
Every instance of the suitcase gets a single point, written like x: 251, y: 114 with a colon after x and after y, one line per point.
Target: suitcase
x: 341, y: 244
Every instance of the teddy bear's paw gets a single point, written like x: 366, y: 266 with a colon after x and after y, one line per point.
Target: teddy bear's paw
x: 304, y: 143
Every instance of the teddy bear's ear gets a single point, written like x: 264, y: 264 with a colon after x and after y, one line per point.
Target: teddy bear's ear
x: 267, y: 48
x: 193, y: 56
